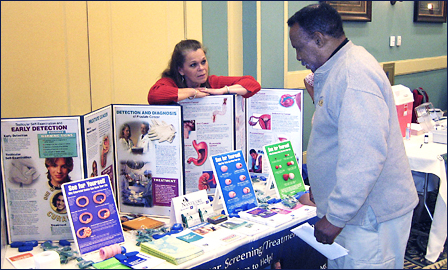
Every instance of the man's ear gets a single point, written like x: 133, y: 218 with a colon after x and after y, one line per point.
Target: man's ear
x: 319, y: 39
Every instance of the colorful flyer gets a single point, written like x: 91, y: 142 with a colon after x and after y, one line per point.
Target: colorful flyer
x: 233, y: 181
x: 285, y: 170
x: 93, y: 214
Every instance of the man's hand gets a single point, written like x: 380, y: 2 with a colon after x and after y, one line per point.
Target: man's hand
x: 325, y: 232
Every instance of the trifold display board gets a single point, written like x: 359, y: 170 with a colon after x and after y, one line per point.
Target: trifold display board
x: 273, y: 115
x: 212, y: 125
x: 40, y: 154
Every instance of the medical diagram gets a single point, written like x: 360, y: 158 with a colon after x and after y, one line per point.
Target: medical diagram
x: 207, y: 181
x: 222, y: 111
x: 288, y: 100
x: 263, y: 121
x: 202, y: 150
x: 85, y: 217
x: 136, y: 183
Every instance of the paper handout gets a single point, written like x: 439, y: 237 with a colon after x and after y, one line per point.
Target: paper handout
x: 306, y: 233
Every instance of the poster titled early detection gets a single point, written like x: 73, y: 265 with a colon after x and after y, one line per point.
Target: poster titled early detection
x: 38, y: 156
x: 285, y: 170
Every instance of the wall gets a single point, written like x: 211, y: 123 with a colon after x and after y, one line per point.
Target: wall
x: 268, y: 56
x: 68, y: 58
x: 71, y: 57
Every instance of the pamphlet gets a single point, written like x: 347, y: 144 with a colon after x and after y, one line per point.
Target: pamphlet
x: 22, y: 261
x: 207, y: 244
x: 190, y: 209
x: 218, y: 233
x: 244, y: 226
x: 171, y: 249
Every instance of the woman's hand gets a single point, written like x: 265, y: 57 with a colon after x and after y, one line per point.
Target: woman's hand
x: 232, y: 89
x: 213, y: 91
x: 190, y: 93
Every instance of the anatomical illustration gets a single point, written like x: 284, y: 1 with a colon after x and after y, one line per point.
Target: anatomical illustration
x: 263, y: 120
x: 207, y: 181
x: 222, y: 111
x: 202, y: 150
x: 189, y: 126
x: 287, y: 100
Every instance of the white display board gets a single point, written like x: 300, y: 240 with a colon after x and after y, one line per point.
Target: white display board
x: 273, y: 115
x: 149, y: 165
x: 212, y: 125
x: 38, y: 156
x: 99, y: 147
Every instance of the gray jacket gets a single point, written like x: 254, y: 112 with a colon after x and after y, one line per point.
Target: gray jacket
x: 356, y: 157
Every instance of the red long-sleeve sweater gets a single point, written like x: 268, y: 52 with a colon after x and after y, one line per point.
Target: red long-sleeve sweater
x: 165, y: 90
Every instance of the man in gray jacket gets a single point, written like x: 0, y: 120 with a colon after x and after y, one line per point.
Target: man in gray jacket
x: 358, y: 170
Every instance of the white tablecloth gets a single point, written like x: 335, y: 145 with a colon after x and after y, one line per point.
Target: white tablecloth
x: 426, y: 158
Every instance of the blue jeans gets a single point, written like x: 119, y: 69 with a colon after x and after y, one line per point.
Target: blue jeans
x: 374, y: 245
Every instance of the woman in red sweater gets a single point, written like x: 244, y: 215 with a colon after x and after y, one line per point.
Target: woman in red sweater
x: 187, y: 77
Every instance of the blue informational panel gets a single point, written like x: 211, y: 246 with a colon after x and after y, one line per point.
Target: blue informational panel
x: 93, y: 213
x: 283, y: 247
x: 233, y: 181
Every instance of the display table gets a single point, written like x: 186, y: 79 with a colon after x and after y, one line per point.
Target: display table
x: 427, y: 158
x: 258, y: 251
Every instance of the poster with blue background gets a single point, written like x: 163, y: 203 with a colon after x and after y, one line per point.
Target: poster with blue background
x: 230, y: 170
x: 93, y: 214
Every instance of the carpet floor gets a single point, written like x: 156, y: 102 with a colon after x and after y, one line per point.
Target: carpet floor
x: 418, y: 241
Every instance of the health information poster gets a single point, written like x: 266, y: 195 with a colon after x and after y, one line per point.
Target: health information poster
x: 39, y: 155
x: 285, y: 170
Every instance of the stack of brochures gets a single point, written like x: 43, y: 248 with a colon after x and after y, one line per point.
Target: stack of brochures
x: 265, y: 216
x: 172, y: 250
x: 217, y: 233
x: 274, y: 217
x: 244, y: 226
x: 206, y: 243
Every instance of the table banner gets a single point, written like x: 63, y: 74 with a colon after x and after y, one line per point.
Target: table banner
x: 283, y: 246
